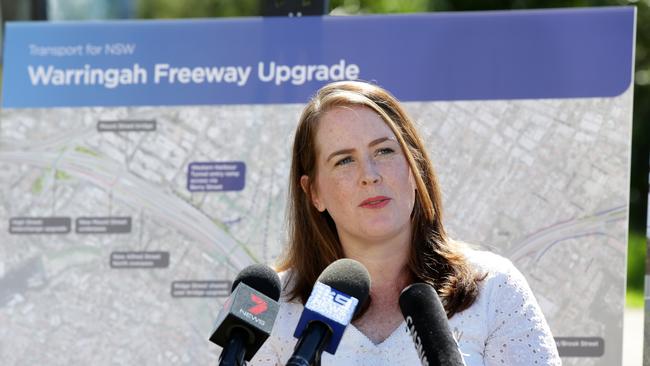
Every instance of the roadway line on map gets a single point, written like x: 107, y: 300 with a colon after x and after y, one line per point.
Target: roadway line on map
x: 140, y: 194
x: 536, y: 244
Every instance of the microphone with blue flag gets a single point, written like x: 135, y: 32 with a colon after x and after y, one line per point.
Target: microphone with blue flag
x: 336, y: 297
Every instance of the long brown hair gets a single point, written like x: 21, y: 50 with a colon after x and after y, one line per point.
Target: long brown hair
x: 313, y: 239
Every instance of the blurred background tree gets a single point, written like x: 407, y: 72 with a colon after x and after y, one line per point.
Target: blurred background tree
x: 161, y: 9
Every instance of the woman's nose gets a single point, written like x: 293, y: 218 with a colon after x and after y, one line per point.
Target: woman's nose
x: 370, y: 174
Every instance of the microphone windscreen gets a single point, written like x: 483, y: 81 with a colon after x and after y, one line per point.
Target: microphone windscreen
x: 427, y: 321
x: 421, y: 302
x: 335, y: 298
x: 348, y: 276
x: 262, y: 278
x: 250, y: 309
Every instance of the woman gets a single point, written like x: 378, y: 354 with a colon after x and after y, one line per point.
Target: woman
x: 363, y: 187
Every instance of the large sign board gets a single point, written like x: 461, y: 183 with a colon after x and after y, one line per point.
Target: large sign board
x: 145, y: 163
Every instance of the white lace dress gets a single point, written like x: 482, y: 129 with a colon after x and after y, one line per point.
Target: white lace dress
x: 505, y: 326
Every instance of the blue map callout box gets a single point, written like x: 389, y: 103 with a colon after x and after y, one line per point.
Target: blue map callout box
x: 216, y: 176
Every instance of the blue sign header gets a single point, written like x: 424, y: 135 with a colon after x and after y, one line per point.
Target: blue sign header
x: 447, y: 56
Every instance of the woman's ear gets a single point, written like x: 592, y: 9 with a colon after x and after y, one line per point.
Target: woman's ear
x: 313, y: 195
x: 412, y: 180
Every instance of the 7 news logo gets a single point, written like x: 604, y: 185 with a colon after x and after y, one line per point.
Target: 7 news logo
x: 255, y: 313
x: 259, y: 307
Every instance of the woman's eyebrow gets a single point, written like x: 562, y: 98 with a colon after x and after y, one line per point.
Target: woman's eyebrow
x: 379, y: 141
x: 339, y: 152
x: 349, y: 151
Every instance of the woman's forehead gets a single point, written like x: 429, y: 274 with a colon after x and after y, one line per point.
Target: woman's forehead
x: 353, y: 121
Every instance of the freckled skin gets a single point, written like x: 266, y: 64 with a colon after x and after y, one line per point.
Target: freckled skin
x: 364, y: 170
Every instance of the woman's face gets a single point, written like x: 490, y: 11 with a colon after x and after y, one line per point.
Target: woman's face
x: 363, y: 179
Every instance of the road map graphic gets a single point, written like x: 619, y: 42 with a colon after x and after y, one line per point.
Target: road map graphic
x: 135, y: 252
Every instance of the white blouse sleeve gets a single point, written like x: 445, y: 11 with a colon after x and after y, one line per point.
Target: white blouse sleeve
x: 518, y: 333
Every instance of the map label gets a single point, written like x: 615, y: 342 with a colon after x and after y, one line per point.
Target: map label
x: 218, y: 288
x: 39, y: 225
x: 139, y: 260
x: 103, y: 225
x: 216, y: 176
x: 127, y: 126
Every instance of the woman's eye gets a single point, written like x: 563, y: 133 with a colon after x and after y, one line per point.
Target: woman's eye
x: 385, y: 151
x: 343, y: 161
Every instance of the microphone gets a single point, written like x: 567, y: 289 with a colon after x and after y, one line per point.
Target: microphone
x: 247, y: 316
x: 427, y: 321
x: 335, y: 298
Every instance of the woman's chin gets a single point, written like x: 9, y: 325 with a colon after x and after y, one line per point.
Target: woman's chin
x: 379, y: 230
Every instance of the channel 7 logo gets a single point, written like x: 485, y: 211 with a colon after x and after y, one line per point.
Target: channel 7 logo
x: 260, y: 305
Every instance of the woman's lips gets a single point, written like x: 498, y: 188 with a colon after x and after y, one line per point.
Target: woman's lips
x: 375, y: 202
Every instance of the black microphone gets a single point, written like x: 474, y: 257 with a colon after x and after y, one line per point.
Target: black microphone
x: 427, y: 321
x: 247, y: 316
x: 337, y: 295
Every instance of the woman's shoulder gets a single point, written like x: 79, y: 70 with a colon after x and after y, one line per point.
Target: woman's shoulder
x: 501, y: 279
x: 511, y: 312
x: 486, y: 262
x: 498, y: 272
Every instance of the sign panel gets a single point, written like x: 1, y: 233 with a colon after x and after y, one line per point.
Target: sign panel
x: 146, y: 163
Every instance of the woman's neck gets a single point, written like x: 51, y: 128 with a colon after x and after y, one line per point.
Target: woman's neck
x: 389, y: 273
x: 386, y: 261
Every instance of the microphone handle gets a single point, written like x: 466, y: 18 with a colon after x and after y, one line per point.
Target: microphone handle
x: 235, y: 350
x: 310, y: 345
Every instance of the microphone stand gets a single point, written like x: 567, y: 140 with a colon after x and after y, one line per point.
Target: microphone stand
x: 309, y: 348
x: 235, y: 350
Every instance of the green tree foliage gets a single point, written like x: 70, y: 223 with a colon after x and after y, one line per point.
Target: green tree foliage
x: 166, y: 9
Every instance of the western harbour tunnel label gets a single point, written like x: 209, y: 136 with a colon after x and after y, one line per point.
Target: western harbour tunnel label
x: 216, y: 176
